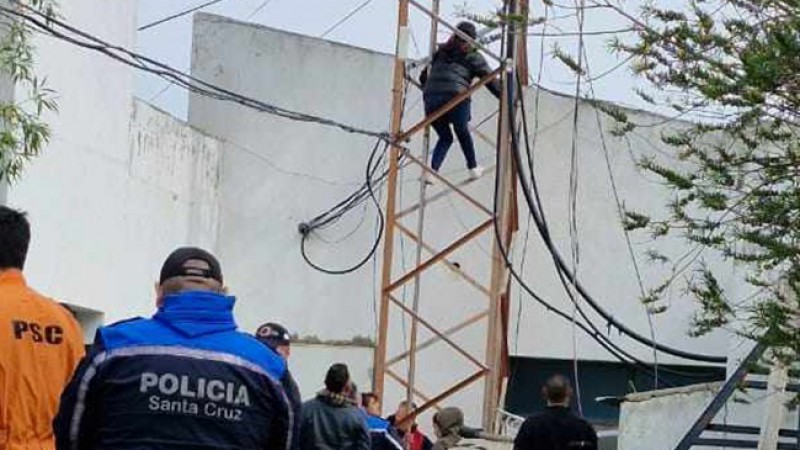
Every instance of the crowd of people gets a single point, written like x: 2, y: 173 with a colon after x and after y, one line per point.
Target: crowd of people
x: 186, y: 378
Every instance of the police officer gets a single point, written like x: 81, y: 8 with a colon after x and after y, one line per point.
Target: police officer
x: 277, y: 338
x: 184, y: 379
x: 557, y: 428
x: 40, y: 345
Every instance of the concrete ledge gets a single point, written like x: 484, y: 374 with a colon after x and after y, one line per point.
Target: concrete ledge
x: 644, y: 396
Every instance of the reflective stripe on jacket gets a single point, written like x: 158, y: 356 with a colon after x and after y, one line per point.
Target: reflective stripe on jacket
x: 183, y: 379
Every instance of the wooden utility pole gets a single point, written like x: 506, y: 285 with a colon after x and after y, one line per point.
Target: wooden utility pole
x: 500, y: 216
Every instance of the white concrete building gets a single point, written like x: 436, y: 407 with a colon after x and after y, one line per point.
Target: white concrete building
x: 121, y: 184
x: 262, y: 206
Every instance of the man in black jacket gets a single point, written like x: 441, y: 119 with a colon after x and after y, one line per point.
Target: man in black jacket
x: 330, y: 421
x: 557, y: 428
x: 454, y: 66
x: 277, y: 338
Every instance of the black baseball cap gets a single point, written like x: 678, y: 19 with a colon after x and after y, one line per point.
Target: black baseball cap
x: 175, y: 265
x: 273, y: 334
x: 468, y: 28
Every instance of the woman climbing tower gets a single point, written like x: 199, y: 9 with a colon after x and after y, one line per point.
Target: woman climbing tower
x: 454, y: 66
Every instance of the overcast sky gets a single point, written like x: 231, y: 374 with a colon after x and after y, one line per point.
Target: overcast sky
x: 374, y: 28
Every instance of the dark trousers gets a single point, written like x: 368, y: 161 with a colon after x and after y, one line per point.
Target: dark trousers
x: 456, y: 120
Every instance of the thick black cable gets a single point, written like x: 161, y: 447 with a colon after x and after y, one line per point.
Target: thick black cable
x: 602, y: 340
x: 48, y: 25
x: 594, y: 334
x: 178, y: 15
x: 336, y: 212
x: 564, y: 269
x: 369, y: 173
x: 590, y: 330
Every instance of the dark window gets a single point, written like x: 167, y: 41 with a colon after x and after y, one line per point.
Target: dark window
x: 597, y: 379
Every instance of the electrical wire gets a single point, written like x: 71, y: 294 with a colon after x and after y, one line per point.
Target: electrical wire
x: 356, y: 198
x: 594, y: 334
x: 573, y: 201
x: 168, y: 85
x: 51, y: 26
x: 194, y: 85
x: 259, y: 8
x: 178, y: 15
x: 620, y: 211
x: 560, y: 264
x: 345, y: 18
x: 370, y: 171
x: 590, y: 330
x: 532, y: 198
x: 530, y: 161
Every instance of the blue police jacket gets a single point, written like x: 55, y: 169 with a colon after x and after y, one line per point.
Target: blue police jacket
x: 186, y: 378
x: 382, y: 435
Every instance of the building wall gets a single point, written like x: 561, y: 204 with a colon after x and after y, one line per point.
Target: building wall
x: 119, y: 185
x: 659, y: 420
x: 101, y: 244
x: 288, y: 172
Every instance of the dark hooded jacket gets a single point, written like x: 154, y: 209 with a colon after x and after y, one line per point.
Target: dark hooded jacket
x: 557, y: 428
x: 453, y: 70
x: 331, y: 422
x: 296, y: 402
x: 183, y: 379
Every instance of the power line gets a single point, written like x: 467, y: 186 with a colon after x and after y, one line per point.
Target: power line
x: 537, y: 213
x: 168, y: 85
x: 530, y: 161
x: 592, y: 332
x: 533, y: 201
x: 573, y: 199
x: 372, y: 168
x: 178, y: 15
x: 356, y: 198
x: 198, y: 86
x: 345, y: 18
x: 618, y: 203
x: 585, y: 33
x: 163, y: 91
x: 75, y: 36
x: 259, y: 8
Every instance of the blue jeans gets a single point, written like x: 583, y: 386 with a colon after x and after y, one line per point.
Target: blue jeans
x: 458, y: 119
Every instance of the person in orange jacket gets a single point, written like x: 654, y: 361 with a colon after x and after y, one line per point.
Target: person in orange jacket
x: 40, y: 346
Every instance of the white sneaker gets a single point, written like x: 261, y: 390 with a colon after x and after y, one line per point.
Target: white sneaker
x: 427, y: 178
x: 476, y: 172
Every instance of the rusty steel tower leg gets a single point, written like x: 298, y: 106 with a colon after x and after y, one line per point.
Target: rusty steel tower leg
x: 398, y: 99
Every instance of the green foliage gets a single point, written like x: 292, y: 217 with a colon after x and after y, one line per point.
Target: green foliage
x: 568, y: 60
x: 736, y: 175
x: 634, y: 221
x: 656, y: 256
x: 23, y: 132
x: 715, y: 311
x: 494, y: 20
